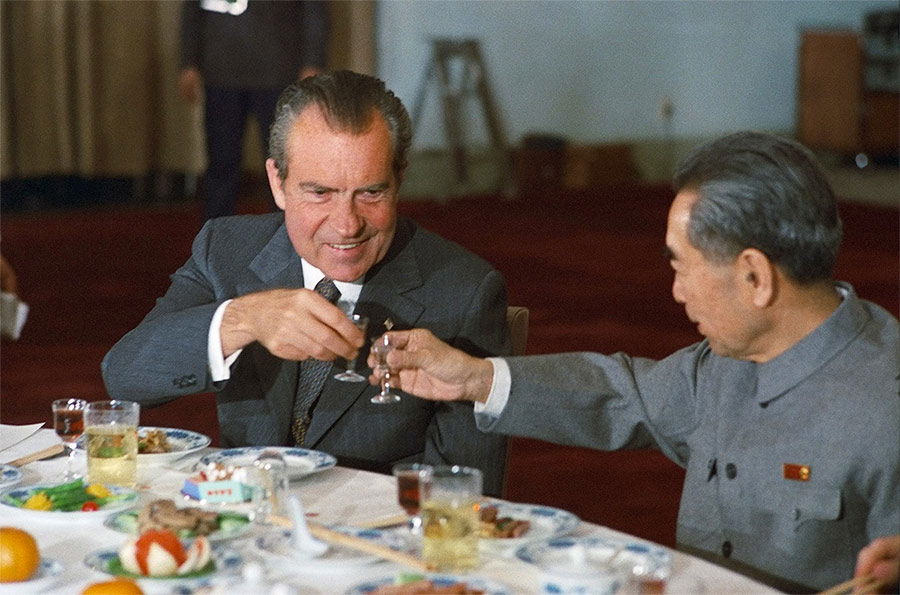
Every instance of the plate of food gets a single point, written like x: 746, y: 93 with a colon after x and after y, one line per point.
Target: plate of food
x: 159, y: 560
x: 9, y: 476
x: 73, y: 500
x: 637, y: 558
x: 298, y: 461
x: 159, y: 446
x: 186, y: 522
x: 509, y: 525
x: 46, y: 575
x: 408, y: 583
x: 279, y: 544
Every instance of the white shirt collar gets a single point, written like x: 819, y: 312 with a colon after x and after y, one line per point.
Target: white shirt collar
x: 349, y: 290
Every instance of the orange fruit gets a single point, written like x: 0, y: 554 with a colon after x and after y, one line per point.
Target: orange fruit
x: 19, y: 555
x: 119, y: 586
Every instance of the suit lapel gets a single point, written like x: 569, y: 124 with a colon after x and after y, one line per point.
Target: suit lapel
x: 277, y: 265
x: 384, y: 296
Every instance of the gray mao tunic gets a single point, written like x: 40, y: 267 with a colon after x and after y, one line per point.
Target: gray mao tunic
x: 792, y: 465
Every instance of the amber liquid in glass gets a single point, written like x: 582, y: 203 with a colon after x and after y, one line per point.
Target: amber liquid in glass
x: 69, y: 424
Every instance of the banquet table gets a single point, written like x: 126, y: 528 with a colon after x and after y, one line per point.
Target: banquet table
x: 337, y: 495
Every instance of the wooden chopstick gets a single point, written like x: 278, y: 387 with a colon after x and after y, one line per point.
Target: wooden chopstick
x: 357, y: 543
x: 864, y: 584
x: 37, y: 456
x: 388, y: 521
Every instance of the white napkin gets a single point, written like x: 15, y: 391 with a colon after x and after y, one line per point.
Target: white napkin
x: 10, y: 435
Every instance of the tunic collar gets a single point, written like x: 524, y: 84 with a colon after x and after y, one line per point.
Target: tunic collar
x: 776, y: 377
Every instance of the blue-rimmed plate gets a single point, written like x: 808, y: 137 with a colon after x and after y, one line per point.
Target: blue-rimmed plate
x: 279, y: 544
x: 180, y: 443
x: 12, y: 499
x: 47, y: 574
x: 636, y: 557
x: 231, y: 525
x: 545, y: 522
x: 9, y: 476
x: 225, y: 563
x: 438, y: 581
x: 299, y: 461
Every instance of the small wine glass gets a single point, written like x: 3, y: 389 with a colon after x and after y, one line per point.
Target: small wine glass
x: 413, y: 487
x: 68, y: 421
x: 350, y: 374
x: 381, y: 347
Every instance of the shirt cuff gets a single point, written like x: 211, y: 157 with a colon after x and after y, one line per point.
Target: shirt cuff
x: 500, y: 385
x: 219, y: 365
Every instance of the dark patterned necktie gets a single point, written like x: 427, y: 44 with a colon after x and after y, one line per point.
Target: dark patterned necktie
x: 312, y: 375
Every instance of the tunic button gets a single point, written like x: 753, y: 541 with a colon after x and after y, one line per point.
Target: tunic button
x: 726, y: 549
x: 730, y: 471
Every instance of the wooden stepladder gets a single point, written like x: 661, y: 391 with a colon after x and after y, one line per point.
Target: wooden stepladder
x: 458, y: 69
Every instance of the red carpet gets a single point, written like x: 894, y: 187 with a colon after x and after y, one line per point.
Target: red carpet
x: 589, y: 267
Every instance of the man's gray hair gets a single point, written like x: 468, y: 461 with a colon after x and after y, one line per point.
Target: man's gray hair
x: 762, y: 191
x: 346, y: 99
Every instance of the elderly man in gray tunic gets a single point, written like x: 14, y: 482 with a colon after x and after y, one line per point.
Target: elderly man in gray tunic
x: 785, y: 416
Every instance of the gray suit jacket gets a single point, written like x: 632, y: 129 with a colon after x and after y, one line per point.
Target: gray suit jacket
x: 423, y: 281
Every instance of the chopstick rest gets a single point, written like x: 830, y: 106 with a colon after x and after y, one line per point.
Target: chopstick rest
x: 357, y: 543
x: 37, y: 456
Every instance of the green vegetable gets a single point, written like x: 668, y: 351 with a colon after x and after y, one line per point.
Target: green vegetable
x: 115, y: 567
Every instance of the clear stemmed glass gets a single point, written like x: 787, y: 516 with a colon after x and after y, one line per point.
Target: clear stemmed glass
x: 350, y: 374
x: 381, y: 347
x: 413, y: 487
x: 68, y: 421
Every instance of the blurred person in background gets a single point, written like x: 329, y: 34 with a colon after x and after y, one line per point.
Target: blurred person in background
x: 239, y: 55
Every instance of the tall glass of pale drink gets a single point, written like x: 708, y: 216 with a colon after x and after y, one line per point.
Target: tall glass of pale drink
x: 450, y: 519
x: 111, y: 442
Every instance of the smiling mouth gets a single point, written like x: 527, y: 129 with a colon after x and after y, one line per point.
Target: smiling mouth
x: 345, y: 246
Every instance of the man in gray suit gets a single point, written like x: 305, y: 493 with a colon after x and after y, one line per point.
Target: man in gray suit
x: 243, y: 311
x: 786, y: 415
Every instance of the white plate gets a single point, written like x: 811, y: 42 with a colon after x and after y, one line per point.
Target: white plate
x: 7, y: 497
x: 299, y: 461
x: 126, y: 522
x: 47, y: 573
x: 9, y: 476
x: 182, y: 443
x: 546, y: 522
x: 279, y: 544
x: 489, y: 587
x: 638, y: 557
x: 227, y: 564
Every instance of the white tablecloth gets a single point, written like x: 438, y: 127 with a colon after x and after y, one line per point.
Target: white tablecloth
x: 337, y: 495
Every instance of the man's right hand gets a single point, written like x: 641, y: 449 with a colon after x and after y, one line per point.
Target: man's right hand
x: 293, y: 324
x: 431, y: 369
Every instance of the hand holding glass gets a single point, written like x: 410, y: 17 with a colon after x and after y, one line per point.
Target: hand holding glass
x: 350, y: 374
x: 68, y: 421
x: 381, y: 347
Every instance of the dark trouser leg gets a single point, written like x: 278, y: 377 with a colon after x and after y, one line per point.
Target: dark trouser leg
x: 225, y: 119
x: 262, y: 104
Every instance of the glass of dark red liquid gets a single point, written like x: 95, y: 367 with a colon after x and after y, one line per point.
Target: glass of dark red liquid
x: 68, y: 421
x: 413, y: 487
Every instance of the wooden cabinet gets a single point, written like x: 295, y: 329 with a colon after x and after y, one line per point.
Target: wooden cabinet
x: 837, y: 109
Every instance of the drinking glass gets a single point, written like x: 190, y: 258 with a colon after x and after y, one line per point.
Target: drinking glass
x: 350, y: 374
x: 68, y: 421
x: 271, y: 481
x: 450, y: 519
x: 413, y: 486
x: 381, y: 347
x: 112, y: 444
